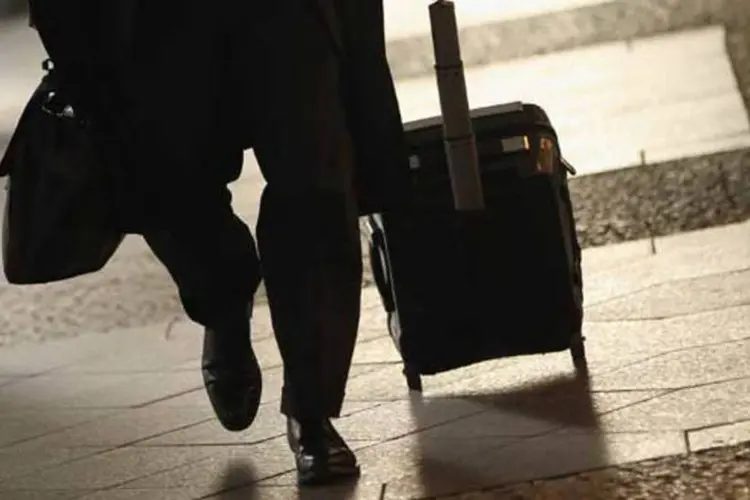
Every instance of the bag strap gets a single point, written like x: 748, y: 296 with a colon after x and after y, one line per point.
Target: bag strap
x: 379, y: 273
x: 570, y: 168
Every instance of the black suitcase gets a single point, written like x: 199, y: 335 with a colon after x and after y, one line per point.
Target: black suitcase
x: 462, y: 287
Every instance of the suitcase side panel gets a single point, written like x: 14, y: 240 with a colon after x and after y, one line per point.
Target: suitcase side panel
x: 523, y: 247
x: 516, y: 297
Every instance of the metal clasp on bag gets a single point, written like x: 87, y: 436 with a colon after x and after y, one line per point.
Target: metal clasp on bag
x: 61, y: 111
x: 66, y: 112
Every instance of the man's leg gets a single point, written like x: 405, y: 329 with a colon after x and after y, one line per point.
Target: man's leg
x: 310, y: 248
x: 211, y: 256
x: 310, y: 251
x: 307, y: 231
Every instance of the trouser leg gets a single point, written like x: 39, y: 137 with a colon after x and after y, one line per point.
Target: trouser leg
x: 209, y: 253
x: 310, y: 250
x: 308, y: 236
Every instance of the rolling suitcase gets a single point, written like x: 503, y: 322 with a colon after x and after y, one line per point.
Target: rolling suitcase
x: 484, y: 263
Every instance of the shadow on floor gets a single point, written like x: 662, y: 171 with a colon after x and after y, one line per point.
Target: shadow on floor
x: 518, y: 434
x: 238, y: 473
x: 242, y: 473
x: 343, y: 492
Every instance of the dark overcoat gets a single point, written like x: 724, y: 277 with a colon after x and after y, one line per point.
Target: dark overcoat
x: 305, y: 83
x: 187, y: 85
x: 323, y: 99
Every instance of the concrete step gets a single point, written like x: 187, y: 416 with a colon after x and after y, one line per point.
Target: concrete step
x: 669, y: 96
x: 503, y: 32
x: 404, y: 20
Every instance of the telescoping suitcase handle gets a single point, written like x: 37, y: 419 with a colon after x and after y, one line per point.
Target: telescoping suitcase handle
x: 460, y: 143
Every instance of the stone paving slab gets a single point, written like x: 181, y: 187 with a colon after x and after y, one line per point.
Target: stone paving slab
x: 269, y: 425
x: 26, y: 425
x: 722, y: 473
x: 123, y: 415
x: 533, y: 458
x: 716, y: 436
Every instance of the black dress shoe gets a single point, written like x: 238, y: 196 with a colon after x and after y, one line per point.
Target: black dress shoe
x: 321, y: 455
x: 232, y: 376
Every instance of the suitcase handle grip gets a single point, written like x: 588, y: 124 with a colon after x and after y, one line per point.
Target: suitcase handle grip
x: 458, y: 132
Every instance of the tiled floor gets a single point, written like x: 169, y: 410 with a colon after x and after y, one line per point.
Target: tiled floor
x: 123, y: 415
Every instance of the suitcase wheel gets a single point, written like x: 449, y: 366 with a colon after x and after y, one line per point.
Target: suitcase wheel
x: 578, y: 353
x: 413, y: 379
